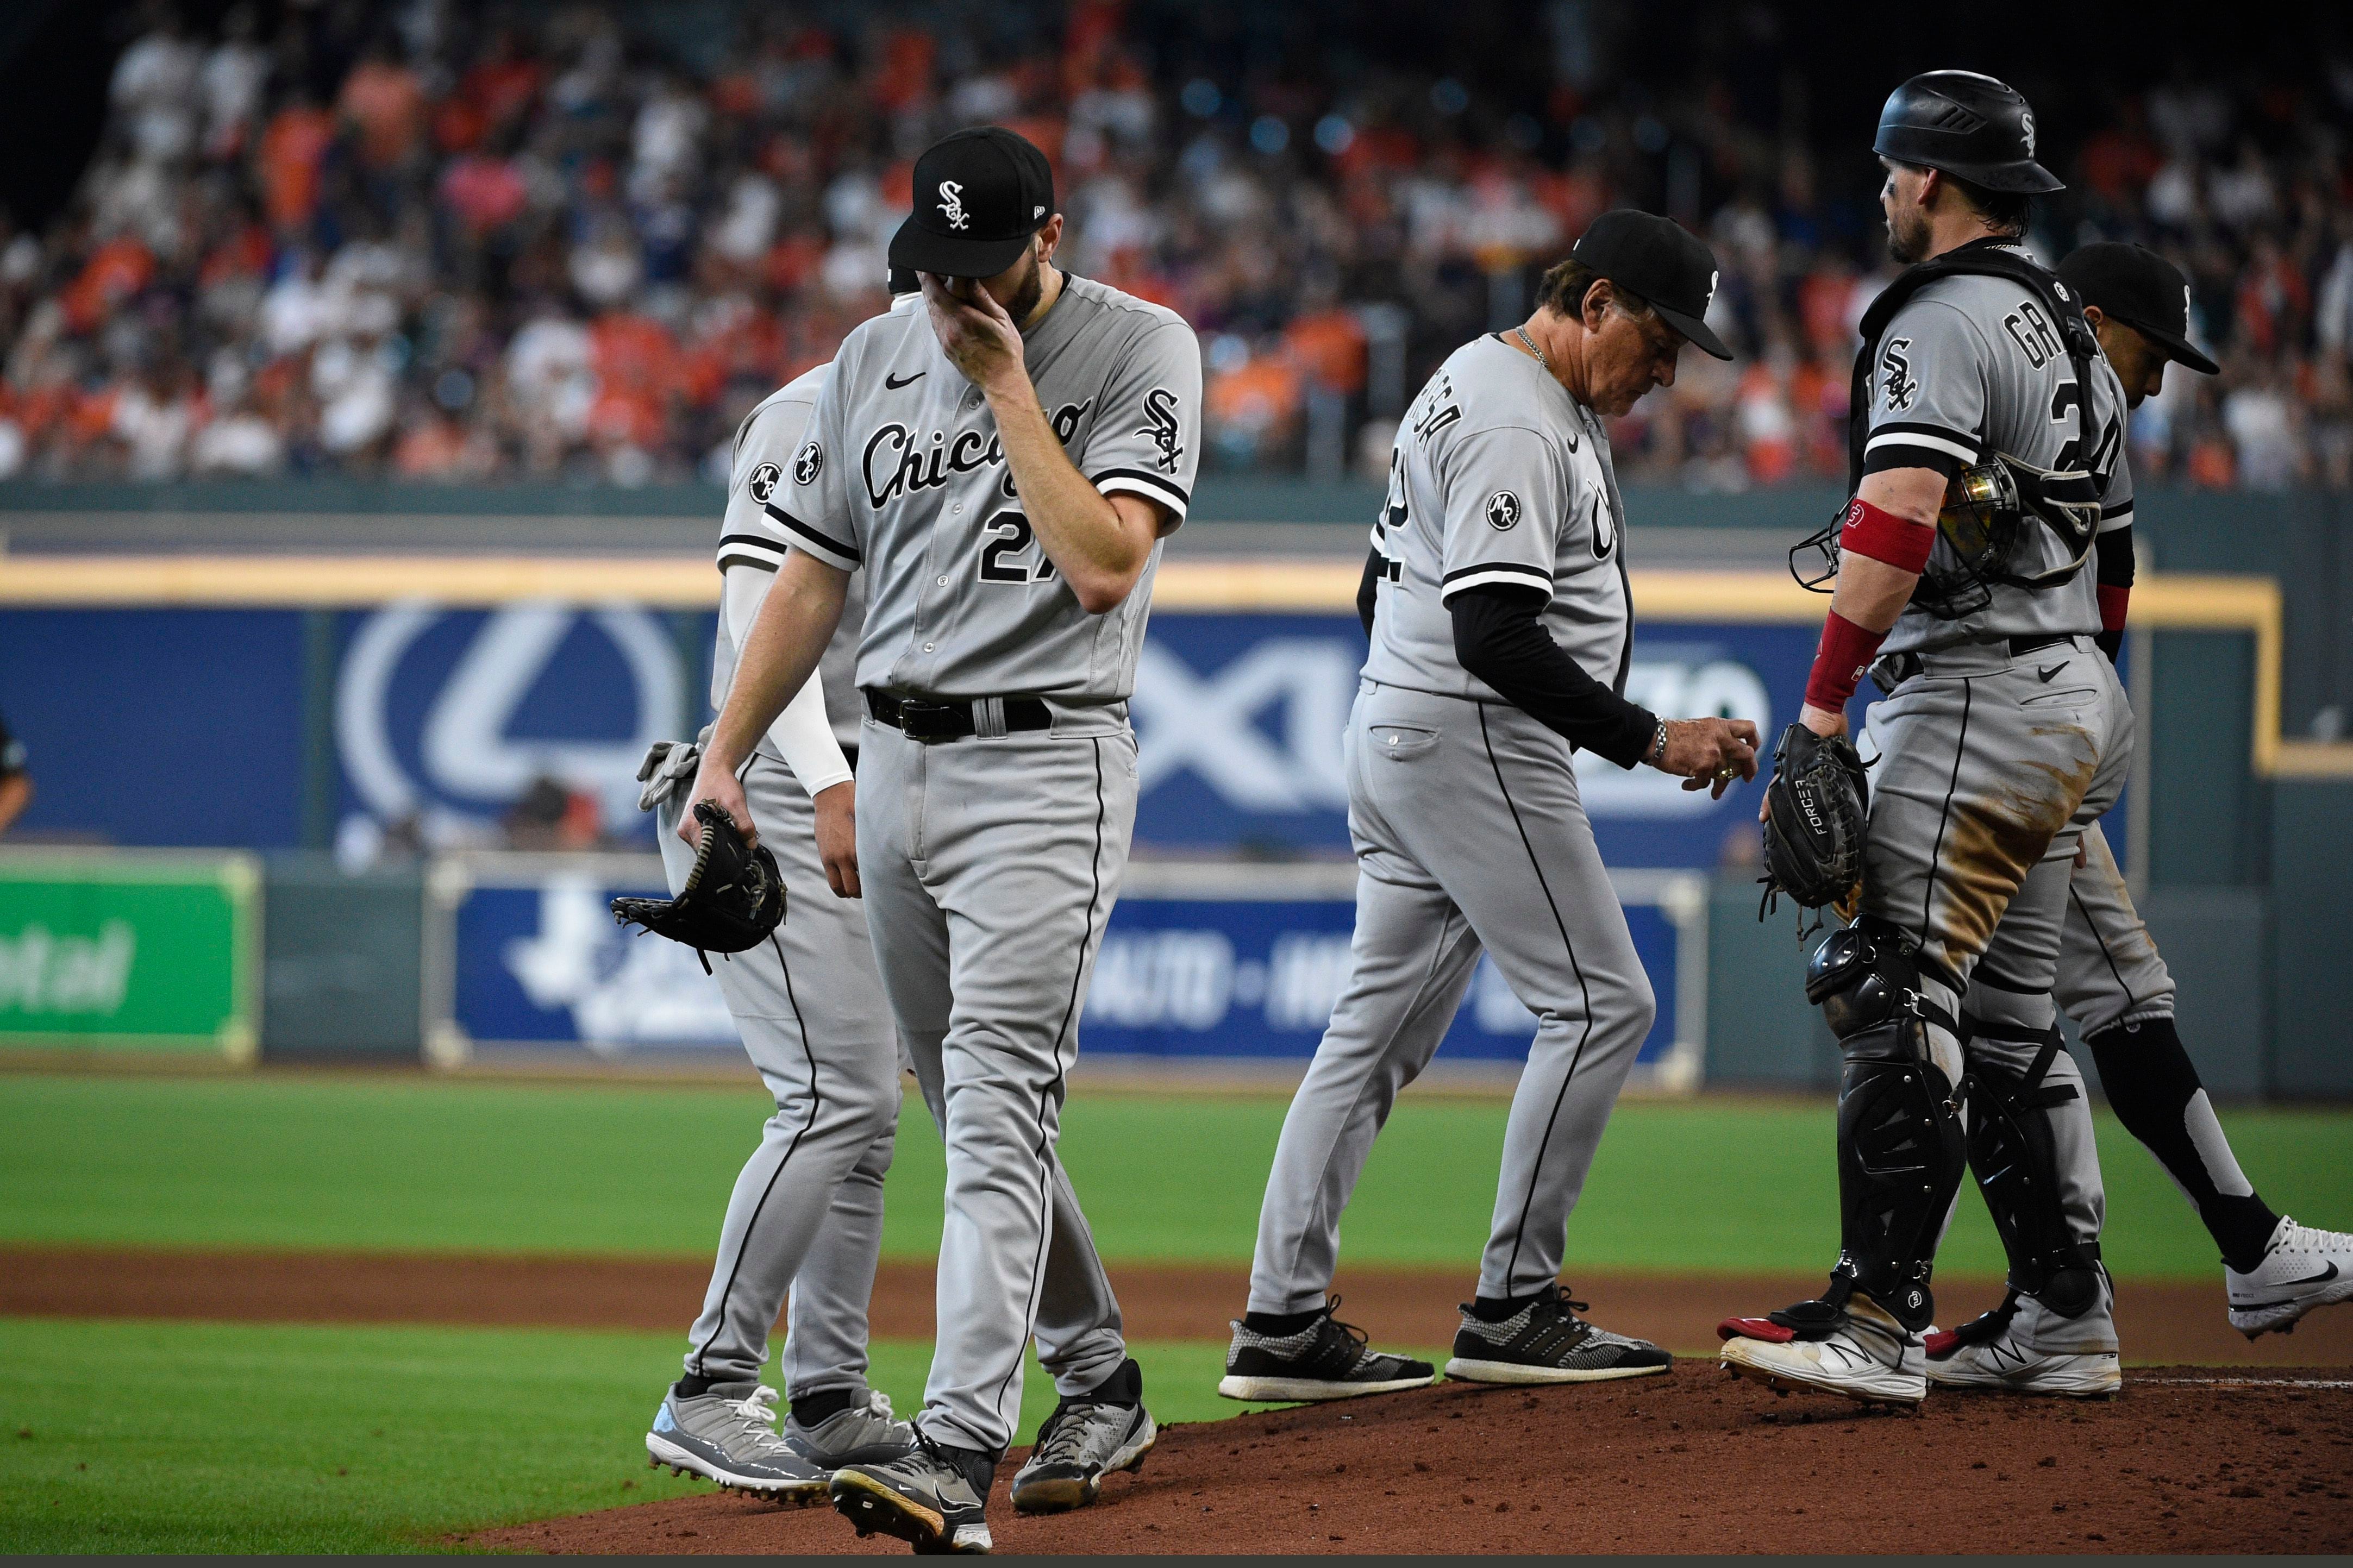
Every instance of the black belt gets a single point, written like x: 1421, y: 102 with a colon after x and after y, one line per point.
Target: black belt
x: 2021, y: 647
x: 924, y: 720
x: 1892, y: 670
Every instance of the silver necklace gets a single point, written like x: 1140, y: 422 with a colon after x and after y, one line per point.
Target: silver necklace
x: 1532, y: 349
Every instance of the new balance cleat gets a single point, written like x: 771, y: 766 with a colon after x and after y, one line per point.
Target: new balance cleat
x: 1858, y: 1350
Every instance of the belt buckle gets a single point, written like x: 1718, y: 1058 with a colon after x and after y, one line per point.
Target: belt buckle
x: 925, y: 721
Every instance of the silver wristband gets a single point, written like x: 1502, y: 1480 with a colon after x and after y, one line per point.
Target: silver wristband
x: 1658, y: 753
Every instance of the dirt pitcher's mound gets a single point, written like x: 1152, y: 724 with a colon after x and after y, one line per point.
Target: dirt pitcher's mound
x: 2187, y: 1460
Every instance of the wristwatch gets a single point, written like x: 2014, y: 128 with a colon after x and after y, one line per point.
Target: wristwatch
x: 1657, y: 754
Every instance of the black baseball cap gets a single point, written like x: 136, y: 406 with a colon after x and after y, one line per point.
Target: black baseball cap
x: 979, y: 195
x: 2142, y: 290
x: 1656, y: 257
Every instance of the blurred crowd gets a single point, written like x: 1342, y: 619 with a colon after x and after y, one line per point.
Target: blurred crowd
x: 434, y: 241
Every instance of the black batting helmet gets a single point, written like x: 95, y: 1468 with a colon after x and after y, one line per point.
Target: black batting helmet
x: 1970, y: 126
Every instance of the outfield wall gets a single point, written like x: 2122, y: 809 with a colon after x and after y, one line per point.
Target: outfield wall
x: 299, y: 699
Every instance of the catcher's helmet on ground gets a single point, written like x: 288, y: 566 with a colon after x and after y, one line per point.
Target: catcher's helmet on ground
x: 1967, y: 125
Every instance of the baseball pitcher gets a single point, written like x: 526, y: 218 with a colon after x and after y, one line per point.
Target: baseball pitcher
x: 1003, y: 463
x: 1987, y: 450
x: 1496, y: 601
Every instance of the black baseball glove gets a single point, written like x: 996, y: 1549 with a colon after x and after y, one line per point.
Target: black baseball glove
x: 732, y: 899
x: 1818, y: 807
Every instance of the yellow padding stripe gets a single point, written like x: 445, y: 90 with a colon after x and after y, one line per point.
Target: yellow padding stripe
x: 2172, y: 602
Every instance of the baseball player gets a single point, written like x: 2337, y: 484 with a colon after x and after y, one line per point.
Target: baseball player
x: 806, y: 1215
x: 2003, y: 736
x: 15, y: 783
x: 1501, y: 631
x: 1003, y: 463
x: 2111, y: 980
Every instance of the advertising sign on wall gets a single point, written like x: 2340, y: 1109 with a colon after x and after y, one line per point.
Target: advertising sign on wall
x: 130, y: 952
x: 1201, y: 963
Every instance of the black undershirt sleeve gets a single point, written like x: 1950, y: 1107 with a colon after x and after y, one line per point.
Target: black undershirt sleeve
x: 2113, y: 564
x: 1368, y: 586
x: 1499, y: 637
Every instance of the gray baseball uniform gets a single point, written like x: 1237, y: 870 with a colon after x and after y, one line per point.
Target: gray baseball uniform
x: 2109, y: 969
x: 1469, y: 832
x: 813, y: 1019
x: 806, y: 1212
x: 2005, y: 735
x: 991, y: 862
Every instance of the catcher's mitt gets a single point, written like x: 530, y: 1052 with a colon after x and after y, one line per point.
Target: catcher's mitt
x: 732, y: 899
x: 1818, y: 803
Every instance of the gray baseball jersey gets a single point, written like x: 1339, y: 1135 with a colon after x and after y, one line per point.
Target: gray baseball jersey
x: 902, y: 472
x: 1499, y: 476
x: 990, y: 864
x: 749, y: 540
x: 1470, y: 831
x: 1972, y: 365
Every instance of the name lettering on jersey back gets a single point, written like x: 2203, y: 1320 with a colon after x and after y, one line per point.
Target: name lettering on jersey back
x: 897, y: 462
x: 2030, y: 330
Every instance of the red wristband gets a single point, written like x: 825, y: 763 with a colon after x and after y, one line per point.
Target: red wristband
x: 1884, y: 536
x: 2113, y: 599
x: 1845, y: 652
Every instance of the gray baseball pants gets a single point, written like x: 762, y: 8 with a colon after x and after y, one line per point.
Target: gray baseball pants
x: 1470, y: 836
x: 806, y: 1216
x: 991, y: 868
x: 2109, y: 969
x: 1990, y: 770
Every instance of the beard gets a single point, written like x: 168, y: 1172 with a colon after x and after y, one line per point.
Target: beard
x: 1026, y: 295
x: 1907, y: 235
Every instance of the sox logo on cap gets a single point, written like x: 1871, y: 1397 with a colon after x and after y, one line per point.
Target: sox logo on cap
x: 952, y: 204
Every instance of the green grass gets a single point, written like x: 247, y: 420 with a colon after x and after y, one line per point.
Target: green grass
x: 140, y: 1436
x: 1718, y: 1184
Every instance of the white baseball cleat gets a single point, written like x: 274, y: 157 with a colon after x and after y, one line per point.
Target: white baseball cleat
x: 2301, y: 1268
x: 2006, y: 1364
x: 1866, y: 1356
x: 2024, y: 1347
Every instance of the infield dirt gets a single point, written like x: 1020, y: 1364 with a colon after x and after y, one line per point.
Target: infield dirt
x: 2185, y: 1461
x: 2159, y: 1321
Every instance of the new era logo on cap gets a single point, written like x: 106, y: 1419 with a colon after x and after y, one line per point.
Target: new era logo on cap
x: 982, y: 193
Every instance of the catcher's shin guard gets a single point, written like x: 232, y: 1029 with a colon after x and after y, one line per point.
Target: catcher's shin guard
x: 1900, y: 1144
x: 2015, y: 1159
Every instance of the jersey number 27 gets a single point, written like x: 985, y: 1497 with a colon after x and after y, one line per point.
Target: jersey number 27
x: 1010, y: 536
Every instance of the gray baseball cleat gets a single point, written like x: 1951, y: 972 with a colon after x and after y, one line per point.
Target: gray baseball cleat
x: 1547, y: 1342
x: 729, y: 1435
x: 934, y: 1497
x: 1326, y: 1360
x: 865, y: 1434
x: 1086, y: 1438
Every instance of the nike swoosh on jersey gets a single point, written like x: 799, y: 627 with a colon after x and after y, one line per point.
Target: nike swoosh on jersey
x: 2044, y: 674
x: 893, y: 383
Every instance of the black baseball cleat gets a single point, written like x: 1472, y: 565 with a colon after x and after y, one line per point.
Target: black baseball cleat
x: 1547, y: 1342
x: 1326, y: 1360
x: 932, y: 1496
